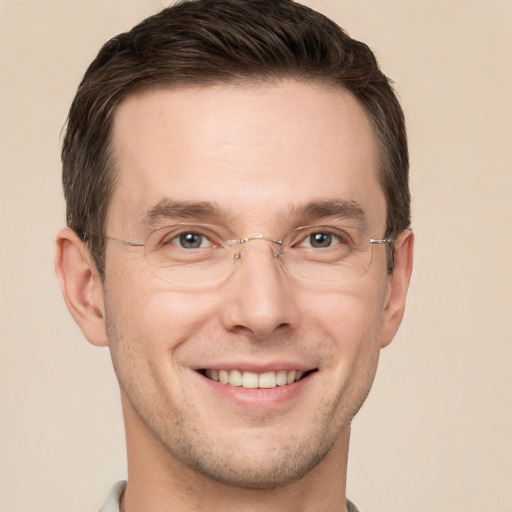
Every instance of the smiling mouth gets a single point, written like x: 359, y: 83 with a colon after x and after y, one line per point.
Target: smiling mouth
x: 252, y: 380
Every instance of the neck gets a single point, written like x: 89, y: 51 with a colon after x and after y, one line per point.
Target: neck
x: 159, y: 482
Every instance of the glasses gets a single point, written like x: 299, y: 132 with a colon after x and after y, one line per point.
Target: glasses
x: 200, y: 254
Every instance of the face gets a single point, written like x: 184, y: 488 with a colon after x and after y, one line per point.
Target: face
x: 253, y: 158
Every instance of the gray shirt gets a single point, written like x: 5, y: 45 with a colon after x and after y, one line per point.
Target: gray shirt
x: 114, y: 497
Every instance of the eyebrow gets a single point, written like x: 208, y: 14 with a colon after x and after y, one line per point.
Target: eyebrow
x: 312, y: 211
x: 331, y: 208
x: 169, y: 208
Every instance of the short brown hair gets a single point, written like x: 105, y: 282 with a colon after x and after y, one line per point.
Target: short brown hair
x: 223, y: 41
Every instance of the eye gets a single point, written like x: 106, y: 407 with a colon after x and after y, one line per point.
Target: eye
x: 190, y: 240
x: 321, y: 240
x: 183, y: 238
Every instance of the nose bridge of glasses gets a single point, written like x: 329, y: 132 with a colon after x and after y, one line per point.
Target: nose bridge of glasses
x: 242, y: 243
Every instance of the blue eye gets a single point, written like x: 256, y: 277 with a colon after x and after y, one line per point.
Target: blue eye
x: 191, y: 240
x: 320, y: 240
x: 183, y: 238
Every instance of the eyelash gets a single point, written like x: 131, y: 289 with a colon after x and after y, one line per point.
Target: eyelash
x: 333, y: 236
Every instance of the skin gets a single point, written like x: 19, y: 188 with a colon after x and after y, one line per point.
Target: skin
x: 259, y: 152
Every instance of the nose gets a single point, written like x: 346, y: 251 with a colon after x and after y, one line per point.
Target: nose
x: 259, y: 294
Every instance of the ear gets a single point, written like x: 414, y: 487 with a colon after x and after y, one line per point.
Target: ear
x: 398, y: 284
x: 81, y: 286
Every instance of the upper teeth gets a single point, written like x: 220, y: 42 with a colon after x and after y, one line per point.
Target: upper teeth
x: 253, y: 380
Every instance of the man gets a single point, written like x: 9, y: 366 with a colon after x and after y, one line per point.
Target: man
x: 236, y: 180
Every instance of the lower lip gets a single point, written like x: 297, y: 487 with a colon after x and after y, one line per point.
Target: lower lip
x: 259, y: 397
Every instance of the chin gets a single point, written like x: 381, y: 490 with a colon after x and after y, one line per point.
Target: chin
x: 246, y: 472
x: 257, y: 465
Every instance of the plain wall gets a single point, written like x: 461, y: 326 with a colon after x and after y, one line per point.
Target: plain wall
x: 435, y: 433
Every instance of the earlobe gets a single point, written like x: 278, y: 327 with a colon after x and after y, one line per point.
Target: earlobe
x: 398, y: 284
x: 81, y: 286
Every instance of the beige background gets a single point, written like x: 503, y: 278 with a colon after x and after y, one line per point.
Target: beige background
x: 436, y: 431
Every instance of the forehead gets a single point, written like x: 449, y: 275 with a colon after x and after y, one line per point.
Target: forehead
x: 254, y: 151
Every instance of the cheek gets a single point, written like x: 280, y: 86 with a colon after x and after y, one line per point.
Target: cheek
x: 352, y: 311
x: 144, y: 311
x: 147, y: 332
x: 351, y: 322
